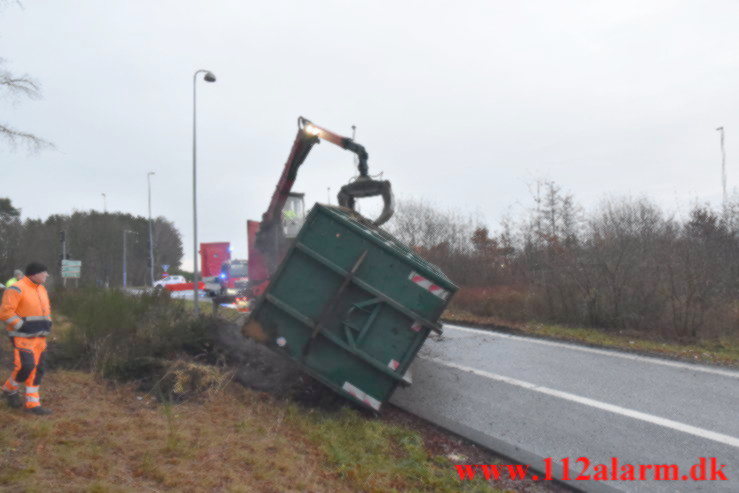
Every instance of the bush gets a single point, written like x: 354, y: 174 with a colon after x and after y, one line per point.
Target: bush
x: 626, y: 265
x: 495, y: 301
x: 117, y: 335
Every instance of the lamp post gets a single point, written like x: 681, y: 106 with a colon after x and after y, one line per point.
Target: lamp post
x: 151, y: 237
x: 125, y: 269
x: 723, y: 166
x: 105, y: 203
x: 207, y: 77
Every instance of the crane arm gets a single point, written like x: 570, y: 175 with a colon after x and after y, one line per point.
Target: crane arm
x: 363, y: 186
x: 343, y: 142
x: 269, y: 239
x: 308, y: 135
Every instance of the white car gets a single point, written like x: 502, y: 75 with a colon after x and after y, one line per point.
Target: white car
x: 169, y: 280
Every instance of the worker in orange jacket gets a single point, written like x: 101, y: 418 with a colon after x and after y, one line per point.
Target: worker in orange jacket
x: 26, y: 311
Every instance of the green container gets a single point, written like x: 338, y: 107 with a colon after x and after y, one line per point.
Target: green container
x: 351, y: 304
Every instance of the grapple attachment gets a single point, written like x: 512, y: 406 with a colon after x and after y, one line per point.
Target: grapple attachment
x: 364, y: 186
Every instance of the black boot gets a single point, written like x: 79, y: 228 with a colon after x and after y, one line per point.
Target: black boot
x: 13, y: 399
x: 39, y: 411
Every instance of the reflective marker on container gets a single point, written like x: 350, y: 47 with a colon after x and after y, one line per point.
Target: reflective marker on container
x: 281, y: 341
x: 361, y: 396
x: 416, y: 327
x: 429, y: 286
x: 393, y: 364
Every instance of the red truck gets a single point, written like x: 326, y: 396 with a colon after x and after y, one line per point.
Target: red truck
x: 213, y: 256
x: 234, y: 276
x: 222, y: 275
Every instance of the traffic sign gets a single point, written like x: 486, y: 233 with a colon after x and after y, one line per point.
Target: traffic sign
x: 71, y: 269
x: 165, y: 267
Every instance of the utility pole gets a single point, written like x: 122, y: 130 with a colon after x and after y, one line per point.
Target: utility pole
x: 63, y: 238
x: 151, y: 237
x: 105, y: 203
x: 125, y: 269
x: 723, y: 166
x: 207, y: 77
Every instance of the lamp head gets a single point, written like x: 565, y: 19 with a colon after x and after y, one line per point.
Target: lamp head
x: 209, y: 77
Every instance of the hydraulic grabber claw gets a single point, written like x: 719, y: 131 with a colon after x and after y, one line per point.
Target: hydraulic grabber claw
x: 364, y: 186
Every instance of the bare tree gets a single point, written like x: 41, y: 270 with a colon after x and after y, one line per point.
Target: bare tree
x: 16, y: 87
x: 702, y: 269
x: 444, y: 238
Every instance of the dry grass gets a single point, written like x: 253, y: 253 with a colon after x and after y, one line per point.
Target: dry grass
x: 110, y: 438
x: 724, y: 352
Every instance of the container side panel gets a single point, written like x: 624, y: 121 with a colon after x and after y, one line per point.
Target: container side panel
x: 338, y: 366
x: 391, y: 338
x: 305, y: 284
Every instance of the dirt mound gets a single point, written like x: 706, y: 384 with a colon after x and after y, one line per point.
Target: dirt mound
x: 256, y: 366
x: 260, y: 368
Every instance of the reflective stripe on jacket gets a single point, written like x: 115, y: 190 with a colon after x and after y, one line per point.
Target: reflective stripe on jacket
x: 25, y: 309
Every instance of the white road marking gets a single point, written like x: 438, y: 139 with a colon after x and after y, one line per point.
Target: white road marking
x: 604, y: 352
x: 649, y: 418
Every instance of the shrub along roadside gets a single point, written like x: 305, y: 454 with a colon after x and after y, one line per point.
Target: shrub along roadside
x: 627, y: 265
x: 121, y: 336
x: 520, y: 310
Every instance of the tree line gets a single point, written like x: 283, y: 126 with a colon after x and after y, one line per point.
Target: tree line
x: 623, y: 265
x: 93, y: 237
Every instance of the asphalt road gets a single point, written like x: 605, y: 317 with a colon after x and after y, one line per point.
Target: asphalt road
x: 531, y: 399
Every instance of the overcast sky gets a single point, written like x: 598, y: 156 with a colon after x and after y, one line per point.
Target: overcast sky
x: 464, y: 104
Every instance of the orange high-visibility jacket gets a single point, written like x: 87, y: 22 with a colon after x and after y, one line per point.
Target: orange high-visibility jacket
x: 26, y: 309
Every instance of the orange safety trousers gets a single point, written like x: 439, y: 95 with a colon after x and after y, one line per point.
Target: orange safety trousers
x: 29, y: 355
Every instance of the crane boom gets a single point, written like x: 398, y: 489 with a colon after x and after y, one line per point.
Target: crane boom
x: 269, y: 240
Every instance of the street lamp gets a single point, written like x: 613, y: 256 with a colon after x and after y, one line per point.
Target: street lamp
x: 125, y: 269
x: 723, y: 166
x: 207, y: 77
x: 105, y: 203
x: 151, y: 238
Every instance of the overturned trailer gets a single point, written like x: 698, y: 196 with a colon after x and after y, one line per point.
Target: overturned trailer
x: 351, y: 305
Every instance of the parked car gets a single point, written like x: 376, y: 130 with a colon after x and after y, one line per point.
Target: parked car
x: 169, y: 280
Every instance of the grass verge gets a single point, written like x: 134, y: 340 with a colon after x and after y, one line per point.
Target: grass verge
x: 375, y: 455
x: 111, y: 438
x: 105, y: 437
x: 722, y: 352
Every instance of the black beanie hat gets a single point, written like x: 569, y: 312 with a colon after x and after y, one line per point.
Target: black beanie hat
x: 35, y: 268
